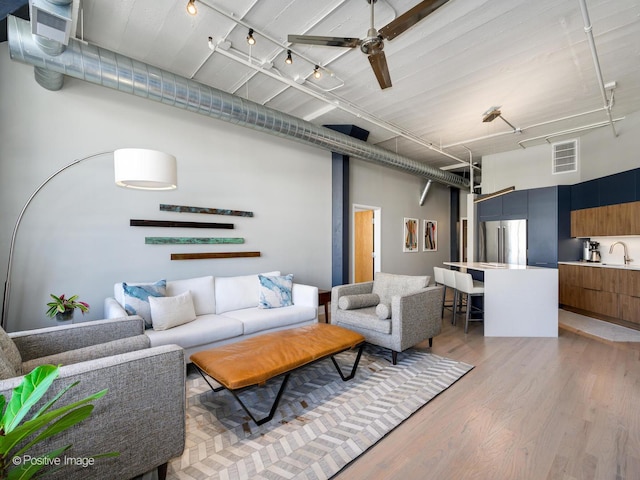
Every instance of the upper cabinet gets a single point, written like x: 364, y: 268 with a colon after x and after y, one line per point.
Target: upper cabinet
x: 511, y: 206
x: 607, y: 206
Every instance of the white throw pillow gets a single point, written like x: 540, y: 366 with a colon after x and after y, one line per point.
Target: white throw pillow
x: 169, y: 312
x: 202, y: 293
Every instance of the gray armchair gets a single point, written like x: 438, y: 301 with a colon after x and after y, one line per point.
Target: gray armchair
x: 142, y: 416
x: 394, y: 311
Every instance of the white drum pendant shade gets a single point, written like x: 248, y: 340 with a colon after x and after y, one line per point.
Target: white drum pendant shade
x: 145, y: 169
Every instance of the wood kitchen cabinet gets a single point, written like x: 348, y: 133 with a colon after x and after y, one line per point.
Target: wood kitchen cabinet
x: 607, y: 221
x: 612, y: 294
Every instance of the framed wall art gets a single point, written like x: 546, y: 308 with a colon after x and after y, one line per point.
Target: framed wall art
x: 430, y: 236
x: 410, y: 235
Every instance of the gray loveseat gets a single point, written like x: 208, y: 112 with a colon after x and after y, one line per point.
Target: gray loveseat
x: 142, y: 416
x: 393, y: 311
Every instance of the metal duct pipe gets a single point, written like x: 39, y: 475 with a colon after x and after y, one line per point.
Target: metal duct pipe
x: 103, y: 67
x: 49, y: 79
x: 427, y: 187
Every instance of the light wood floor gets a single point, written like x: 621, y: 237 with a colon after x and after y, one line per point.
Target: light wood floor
x: 560, y: 408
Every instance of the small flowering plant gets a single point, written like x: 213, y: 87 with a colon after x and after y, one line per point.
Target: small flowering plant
x: 62, y: 304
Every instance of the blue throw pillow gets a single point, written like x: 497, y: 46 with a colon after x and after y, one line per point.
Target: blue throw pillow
x: 136, y: 298
x: 275, y: 292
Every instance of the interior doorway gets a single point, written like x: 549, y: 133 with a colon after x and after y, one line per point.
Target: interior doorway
x: 366, y: 242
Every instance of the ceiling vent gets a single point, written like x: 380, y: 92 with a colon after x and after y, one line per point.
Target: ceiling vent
x: 565, y: 157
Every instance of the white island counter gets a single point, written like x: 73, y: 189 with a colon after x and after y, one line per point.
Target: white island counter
x: 519, y: 300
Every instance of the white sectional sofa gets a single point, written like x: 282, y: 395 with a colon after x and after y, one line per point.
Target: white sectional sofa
x: 226, y: 310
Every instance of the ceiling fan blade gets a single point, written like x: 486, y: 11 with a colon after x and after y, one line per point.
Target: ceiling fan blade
x: 379, y: 64
x: 409, y: 18
x: 325, y: 41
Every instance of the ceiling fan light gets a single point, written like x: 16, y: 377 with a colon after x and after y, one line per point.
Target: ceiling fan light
x: 191, y: 7
x: 288, y: 60
x: 316, y: 72
x: 250, y: 39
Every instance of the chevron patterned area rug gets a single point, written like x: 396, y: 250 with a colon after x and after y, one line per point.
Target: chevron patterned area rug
x: 322, y: 423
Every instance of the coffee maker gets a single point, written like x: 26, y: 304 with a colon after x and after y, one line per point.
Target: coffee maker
x: 594, y: 253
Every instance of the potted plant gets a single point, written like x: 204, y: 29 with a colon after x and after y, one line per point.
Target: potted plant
x: 62, y: 308
x: 18, y: 436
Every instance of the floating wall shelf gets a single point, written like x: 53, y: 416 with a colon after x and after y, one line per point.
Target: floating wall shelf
x: 210, y: 211
x: 167, y: 223
x: 191, y: 240
x: 200, y: 256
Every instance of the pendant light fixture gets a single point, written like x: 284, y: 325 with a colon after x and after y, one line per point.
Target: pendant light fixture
x: 250, y: 39
x: 191, y: 7
x: 316, y: 72
x: 288, y: 60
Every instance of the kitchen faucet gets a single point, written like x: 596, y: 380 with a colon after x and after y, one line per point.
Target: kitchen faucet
x: 627, y: 260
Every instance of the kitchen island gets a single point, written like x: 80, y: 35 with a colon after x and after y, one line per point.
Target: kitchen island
x: 519, y: 300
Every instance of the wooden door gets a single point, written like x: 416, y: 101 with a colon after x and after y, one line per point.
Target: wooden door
x: 363, y: 231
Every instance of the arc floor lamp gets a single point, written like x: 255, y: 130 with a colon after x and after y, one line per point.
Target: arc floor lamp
x: 136, y: 168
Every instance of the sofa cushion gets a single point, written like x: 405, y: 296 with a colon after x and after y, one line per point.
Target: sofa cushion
x: 257, y: 319
x: 236, y: 293
x: 202, y: 292
x: 383, y: 311
x: 363, y: 318
x: 203, y: 330
x: 169, y: 312
x: 12, y: 360
x: 275, y: 291
x: 362, y: 300
x: 136, y: 298
x: 388, y: 285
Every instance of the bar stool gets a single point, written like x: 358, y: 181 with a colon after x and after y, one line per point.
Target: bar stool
x: 449, y: 280
x: 438, y: 275
x: 466, y: 285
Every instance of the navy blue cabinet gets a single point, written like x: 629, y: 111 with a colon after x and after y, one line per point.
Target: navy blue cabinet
x: 618, y: 188
x: 514, y: 205
x: 510, y: 206
x: 613, y: 189
x: 549, y: 227
x: 585, y: 195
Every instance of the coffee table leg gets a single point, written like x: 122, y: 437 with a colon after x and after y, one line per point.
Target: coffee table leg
x: 353, y: 369
x: 273, y: 407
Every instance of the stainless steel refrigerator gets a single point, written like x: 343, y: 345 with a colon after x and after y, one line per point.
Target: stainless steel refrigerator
x: 503, y: 241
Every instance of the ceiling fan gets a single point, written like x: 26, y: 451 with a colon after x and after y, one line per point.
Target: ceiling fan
x: 373, y: 44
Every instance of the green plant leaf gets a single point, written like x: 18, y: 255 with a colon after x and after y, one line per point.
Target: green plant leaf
x: 26, y: 395
x: 9, y: 441
x: 50, y: 403
x: 67, y: 421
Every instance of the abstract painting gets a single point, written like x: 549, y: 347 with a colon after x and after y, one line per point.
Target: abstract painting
x: 410, y: 235
x: 430, y: 236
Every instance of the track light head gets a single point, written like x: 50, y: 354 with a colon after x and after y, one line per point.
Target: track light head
x: 316, y: 72
x: 250, y: 39
x: 288, y: 60
x: 191, y: 7
x: 491, y: 114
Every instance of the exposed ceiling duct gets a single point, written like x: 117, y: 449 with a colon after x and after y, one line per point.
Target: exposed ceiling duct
x: 109, y: 69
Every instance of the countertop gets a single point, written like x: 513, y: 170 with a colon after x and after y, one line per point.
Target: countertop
x: 484, y: 266
x: 602, y: 265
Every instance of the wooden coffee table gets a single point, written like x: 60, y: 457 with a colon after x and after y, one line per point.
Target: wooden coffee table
x: 256, y: 360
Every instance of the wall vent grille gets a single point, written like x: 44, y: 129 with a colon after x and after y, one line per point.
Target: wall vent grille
x: 565, y: 157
